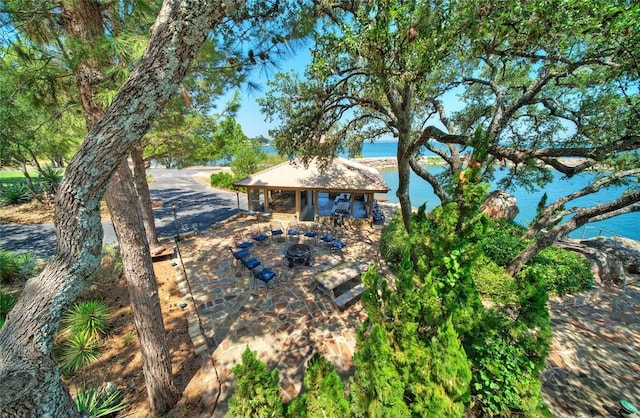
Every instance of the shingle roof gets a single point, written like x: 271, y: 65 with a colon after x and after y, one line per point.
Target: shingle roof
x: 339, y: 175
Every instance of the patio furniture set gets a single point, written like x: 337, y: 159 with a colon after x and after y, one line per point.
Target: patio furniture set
x: 299, y: 255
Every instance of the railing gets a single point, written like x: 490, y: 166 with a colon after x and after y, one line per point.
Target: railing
x: 601, y: 231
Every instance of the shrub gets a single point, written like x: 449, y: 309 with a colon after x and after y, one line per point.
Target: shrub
x: 93, y: 402
x: 503, y: 241
x: 492, y: 282
x: 78, y: 351
x: 562, y: 270
x: 84, y: 326
x: 15, y: 266
x: 50, y: 178
x: 222, y: 180
x: 90, y: 318
x: 14, y: 194
x: 324, y: 395
x: 394, y: 241
x: 257, y: 389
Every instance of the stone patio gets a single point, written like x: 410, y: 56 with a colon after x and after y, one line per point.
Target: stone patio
x: 284, y: 324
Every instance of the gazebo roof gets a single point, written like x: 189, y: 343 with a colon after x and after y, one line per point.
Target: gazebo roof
x: 340, y: 175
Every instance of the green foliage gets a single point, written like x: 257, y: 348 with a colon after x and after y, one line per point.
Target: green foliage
x: 257, y: 391
x: 377, y: 388
x: 503, y: 241
x: 93, y: 402
x: 247, y: 159
x: 84, y: 325
x: 393, y: 241
x: 16, y: 266
x: 50, y: 178
x: 562, y: 270
x: 90, y: 318
x: 14, y: 194
x: 7, y: 301
x: 224, y: 180
x: 78, y: 351
x: 492, y: 282
x: 324, y: 394
x: 508, y: 352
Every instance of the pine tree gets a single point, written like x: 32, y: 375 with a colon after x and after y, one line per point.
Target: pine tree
x: 257, y: 390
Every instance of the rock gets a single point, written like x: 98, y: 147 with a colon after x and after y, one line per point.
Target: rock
x: 500, y: 204
x: 612, y: 258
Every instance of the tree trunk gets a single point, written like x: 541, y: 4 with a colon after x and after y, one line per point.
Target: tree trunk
x: 143, y: 291
x: 30, y: 384
x: 144, y: 196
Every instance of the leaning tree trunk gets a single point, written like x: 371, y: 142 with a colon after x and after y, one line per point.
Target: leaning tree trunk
x: 87, y: 24
x: 143, y: 291
x: 144, y: 196
x: 30, y: 383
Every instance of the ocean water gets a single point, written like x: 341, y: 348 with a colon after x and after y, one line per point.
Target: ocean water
x: 627, y: 225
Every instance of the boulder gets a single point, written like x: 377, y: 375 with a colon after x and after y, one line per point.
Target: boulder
x: 613, y: 259
x: 500, y: 204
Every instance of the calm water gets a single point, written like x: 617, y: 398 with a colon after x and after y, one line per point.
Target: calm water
x: 627, y: 225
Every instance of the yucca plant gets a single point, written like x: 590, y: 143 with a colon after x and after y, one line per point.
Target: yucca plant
x: 93, y: 402
x: 9, y: 266
x: 15, y: 266
x: 78, y: 351
x: 90, y: 318
x: 7, y: 301
x: 14, y: 194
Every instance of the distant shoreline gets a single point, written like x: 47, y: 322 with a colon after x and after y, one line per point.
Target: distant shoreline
x: 390, y: 162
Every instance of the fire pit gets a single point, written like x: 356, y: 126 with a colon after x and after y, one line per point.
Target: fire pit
x: 298, y: 255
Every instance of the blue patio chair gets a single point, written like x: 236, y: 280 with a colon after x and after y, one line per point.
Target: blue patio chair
x: 251, y: 263
x: 293, y: 230
x: 239, y: 256
x: 263, y: 274
x: 276, y: 230
x: 259, y: 237
x: 312, y: 232
x: 240, y: 242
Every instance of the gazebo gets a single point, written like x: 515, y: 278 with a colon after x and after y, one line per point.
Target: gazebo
x: 342, y: 186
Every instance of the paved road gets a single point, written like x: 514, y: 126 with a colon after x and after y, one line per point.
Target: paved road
x: 198, y: 207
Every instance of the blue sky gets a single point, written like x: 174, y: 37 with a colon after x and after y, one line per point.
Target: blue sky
x: 249, y: 116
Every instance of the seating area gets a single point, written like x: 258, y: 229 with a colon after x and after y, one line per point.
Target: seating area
x: 276, y: 310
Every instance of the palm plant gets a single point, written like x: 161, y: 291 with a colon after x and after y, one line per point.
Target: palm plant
x: 90, y: 318
x: 93, y: 402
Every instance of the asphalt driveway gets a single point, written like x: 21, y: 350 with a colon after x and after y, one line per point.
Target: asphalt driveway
x: 197, y: 207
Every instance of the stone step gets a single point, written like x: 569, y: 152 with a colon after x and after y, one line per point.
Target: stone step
x: 351, y: 294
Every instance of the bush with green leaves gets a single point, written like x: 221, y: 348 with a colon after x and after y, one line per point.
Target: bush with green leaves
x: 15, y: 193
x: 50, y: 178
x: 257, y: 390
x: 503, y: 241
x: 562, y: 270
x: 14, y: 266
x: 324, y: 394
x: 95, y: 402
x: 89, y: 317
x: 7, y: 301
x: 223, y: 180
x: 393, y: 241
x: 84, y: 326
x: 77, y: 351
